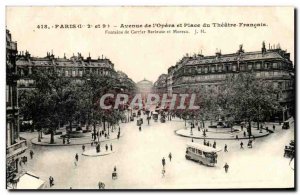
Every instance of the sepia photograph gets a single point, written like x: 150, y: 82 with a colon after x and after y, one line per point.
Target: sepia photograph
x: 150, y: 98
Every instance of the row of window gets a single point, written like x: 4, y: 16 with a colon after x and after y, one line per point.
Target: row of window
x: 281, y: 85
x: 199, y: 78
x: 65, y: 72
x: 196, y: 151
x: 233, y: 67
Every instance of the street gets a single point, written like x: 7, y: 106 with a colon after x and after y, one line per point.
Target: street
x: 138, y: 156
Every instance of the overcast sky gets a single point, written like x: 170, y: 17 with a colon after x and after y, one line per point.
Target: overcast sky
x: 147, y: 55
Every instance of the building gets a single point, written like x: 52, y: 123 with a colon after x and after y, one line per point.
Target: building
x: 15, y: 145
x: 127, y: 84
x: 74, y: 67
x: 144, y: 88
x: 209, y: 72
x: 160, y: 86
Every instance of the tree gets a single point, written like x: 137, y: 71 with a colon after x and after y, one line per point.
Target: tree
x: 43, y: 104
x: 248, y: 98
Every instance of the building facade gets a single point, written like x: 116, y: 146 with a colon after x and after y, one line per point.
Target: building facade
x: 160, y: 86
x: 144, y: 88
x: 15, y: 145
x: 209, y: 72
x: 74, y: 67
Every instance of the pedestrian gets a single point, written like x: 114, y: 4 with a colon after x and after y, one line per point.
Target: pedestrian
x: 31, y: 154
x: 204, y: 142
x: 170, y: 156
x: 140, y: 128
x: 237, y: 137
x: 76, y: 157
x: 244, y: 133
x: 226, y: 166
x: 215, y: 144
x: 111, y: 147
x: 83, y: 148
x: 198, y: 128
x: 163, y: 161
x: 68, y: 141
x: 273, y: 127
x: 225, y: 148
x: 64, y: 140
x: 98, y: 148
x: 106, y: 147
x: 242, y: 145
x: 24, y: 160
x: 242, y: 127
x: 115, y: 169
x: 51, y: 181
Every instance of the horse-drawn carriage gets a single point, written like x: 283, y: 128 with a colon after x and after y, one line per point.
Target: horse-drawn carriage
x: 289, y: 151
x: 139, y: 122
x: 163, y: 119
x: 155, y: 116
x: 101, y: 185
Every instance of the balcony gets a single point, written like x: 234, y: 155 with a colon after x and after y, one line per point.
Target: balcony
x: 17, y: 148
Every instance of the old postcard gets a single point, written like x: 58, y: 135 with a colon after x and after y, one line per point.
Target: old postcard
x: 104, y: 98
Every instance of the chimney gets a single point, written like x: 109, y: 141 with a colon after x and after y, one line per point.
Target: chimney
x: 89, y: 58
x: 263, y: 49
x: 218, y: 53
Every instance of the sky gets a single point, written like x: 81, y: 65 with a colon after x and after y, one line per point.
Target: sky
x: 148, y: 55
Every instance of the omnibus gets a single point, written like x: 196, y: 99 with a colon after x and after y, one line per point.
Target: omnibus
x: 202, y: 154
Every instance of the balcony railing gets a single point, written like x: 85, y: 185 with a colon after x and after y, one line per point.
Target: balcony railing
x: 16, y: 148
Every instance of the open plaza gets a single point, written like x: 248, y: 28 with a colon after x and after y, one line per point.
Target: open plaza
x: 138, y: 153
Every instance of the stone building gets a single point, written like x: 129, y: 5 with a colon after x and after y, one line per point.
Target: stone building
x: 160, y: 86
x: 209, y: 72
x: 144, y: 88
x: 74, y: 67
x: 127, y: 84
x: 15, y: 145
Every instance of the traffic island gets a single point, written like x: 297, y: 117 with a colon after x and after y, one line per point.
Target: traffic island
x: 221, y: 134
x: 93, y: 153
x: 58, y: 141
